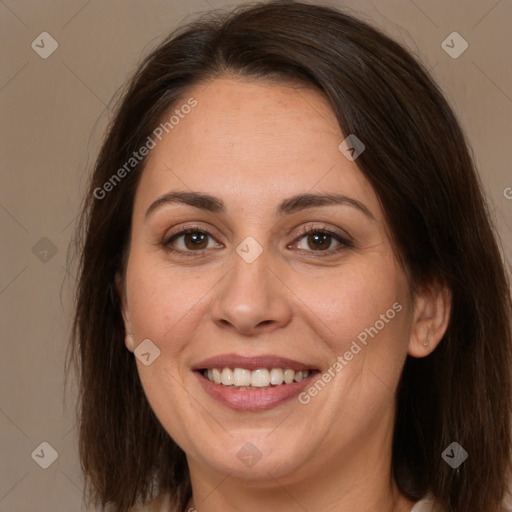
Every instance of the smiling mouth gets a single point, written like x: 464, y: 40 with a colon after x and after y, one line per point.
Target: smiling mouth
x: 261, y: 378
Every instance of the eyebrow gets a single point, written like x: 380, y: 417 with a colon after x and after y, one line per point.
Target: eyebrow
x: 291, y: 205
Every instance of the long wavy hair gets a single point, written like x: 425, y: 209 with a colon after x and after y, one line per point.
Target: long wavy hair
x: 417, y: 161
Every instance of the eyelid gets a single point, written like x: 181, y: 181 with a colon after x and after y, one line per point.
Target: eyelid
x: 183, y: 230
x: 343, y: 239
x: 186, y: 228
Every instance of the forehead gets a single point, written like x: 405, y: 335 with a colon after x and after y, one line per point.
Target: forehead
x: 253, y: 142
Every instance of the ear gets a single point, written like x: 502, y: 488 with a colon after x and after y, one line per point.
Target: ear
x: 121, y: 290
x: 432, y: 310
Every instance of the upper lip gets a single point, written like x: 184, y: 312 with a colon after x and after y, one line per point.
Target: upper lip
x: 251, y: 363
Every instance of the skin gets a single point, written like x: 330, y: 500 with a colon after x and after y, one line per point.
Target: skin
x: 253, y: 144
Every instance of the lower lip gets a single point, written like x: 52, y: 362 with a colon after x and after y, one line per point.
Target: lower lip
x: 253, y: 399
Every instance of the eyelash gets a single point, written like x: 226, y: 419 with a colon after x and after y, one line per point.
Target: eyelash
x: 343, y: 242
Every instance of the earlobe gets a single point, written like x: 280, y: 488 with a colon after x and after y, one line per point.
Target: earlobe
x: 128, y: 340
x: 432, y: 312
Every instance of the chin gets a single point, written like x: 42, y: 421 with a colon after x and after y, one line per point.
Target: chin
x: 259, y: 461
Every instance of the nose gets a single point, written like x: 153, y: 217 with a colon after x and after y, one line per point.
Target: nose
x: 251, y: 299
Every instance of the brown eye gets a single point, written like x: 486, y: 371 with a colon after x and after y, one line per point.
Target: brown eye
x: 189, y: 240
x: 321, y: 240
x: 195, y: 240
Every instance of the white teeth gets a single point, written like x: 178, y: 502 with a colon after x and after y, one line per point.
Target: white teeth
x: 227, y: 377
x: 217, y: 377
x: 242, y: 377
x: 276, y: 376
x: 260, y: 378
x: 298, y: 376
x: 288, y: 376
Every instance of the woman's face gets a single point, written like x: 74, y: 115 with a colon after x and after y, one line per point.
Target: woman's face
x: 247, y: 288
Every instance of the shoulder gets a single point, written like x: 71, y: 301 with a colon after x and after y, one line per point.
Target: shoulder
x: 427, y: 505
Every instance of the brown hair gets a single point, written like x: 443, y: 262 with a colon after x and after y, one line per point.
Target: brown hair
x: 418, y: 163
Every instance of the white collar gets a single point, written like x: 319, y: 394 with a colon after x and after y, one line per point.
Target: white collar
x: 424, y: 505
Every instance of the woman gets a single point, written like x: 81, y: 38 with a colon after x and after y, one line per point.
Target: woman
x: 290, y: 297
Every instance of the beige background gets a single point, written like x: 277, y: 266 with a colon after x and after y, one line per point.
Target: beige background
x: 53, y: 115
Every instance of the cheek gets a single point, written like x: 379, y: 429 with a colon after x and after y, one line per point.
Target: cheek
x: 165, y: 302
x: 361, y: 314
x: 352, y: 300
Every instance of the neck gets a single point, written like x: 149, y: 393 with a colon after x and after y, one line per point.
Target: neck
x: 232, y: 496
